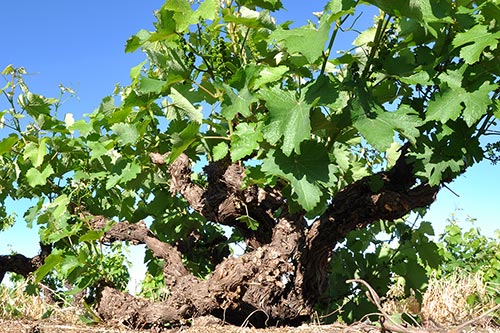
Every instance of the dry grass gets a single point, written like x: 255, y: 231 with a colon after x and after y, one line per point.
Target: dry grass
x: 447, y: 301
x: 444, y: 305
x: 17, y: 304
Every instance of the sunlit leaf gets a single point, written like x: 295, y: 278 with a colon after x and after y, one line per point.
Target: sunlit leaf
x: 7, y: 143
x: 244, y: 141
x: 305, y: 172
x: 289, y: 118
x: 127, y: 133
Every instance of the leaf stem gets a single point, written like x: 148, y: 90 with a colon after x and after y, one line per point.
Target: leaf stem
x: 205, y: 90
x: 215, y: 137
x: 381, y: 26
x: 326, y: 54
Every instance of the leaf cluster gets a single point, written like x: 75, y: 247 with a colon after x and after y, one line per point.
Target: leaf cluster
x: 383, y: 254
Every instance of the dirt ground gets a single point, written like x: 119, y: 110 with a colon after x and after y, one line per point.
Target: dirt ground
x: 26, y: 326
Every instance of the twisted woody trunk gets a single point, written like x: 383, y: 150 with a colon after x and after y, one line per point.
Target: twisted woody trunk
x: 284, y: 271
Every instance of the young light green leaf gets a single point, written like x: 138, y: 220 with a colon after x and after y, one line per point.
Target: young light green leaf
x: 249, y: 221
x: 147, y: 85
x: 34, y: 104
x: 91, y: 235
x: 392, y: 154
x: 308, y: 41
x: 250, y: 18
x: 479, y: 39
x: 136, y: 41
x: 184, y: 16
x: 36, y: 152
x: 288, y: 118
x: 49, y: 264
x: 135, y: 71
x: 98, y: 148
x: 7, y: 143
x: 422, y: 10
x: 220, y: 151
x: 127, y: 133
x: 270, y: 74
x: 35, y: 177
x: 238, y: 102
x: 208, y: 10
x: 266, y: 4
x: 130, y: 172
x: 59, y: 206
x: 185, y: 107
x: 244, y: 141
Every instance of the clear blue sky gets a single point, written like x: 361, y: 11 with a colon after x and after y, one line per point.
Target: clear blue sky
x: 80, y: 44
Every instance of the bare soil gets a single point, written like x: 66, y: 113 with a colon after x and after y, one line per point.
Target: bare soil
x: 204, y: 326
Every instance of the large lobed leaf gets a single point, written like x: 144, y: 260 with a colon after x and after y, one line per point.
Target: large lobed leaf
x: 288, y: 118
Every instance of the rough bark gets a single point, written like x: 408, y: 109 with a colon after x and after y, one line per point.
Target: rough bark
x: 19, y: 264
x: 284, y: 271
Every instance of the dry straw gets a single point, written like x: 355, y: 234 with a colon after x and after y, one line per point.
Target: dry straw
x: 16, y: 303
x: 447, y: 300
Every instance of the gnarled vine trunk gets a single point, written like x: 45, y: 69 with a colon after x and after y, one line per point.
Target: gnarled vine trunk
x: 284, y: 271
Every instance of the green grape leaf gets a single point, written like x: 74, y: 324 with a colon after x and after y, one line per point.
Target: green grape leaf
x: 182, y: 140
x: 184, y: 106
x: 91, y: 235
x: 250, y: 18
x: 378, y: 126
x: 477, y: 102
x: 220, y: 151
x: 147, y: 85
x: 7, y: 143
x: 288, y: 118
x: 308, y: 41
x: 474, y: 41
x: 136, y: 41
x: 83, y: 127
x: 107, y: 106
x: 266, y: 4
x: 452, y: 100
x: 207, y: 10
x: 98, y: 148
x: 417, y: 277
x: 305, y: 172
x: 34, y: 104
x: 244, y: 140
x: 59, y: 206
x: 249, y: 221
x: 127, y: 133
x: 238, y: 102
x: 130, y: 172
x: 36, y: 152
x: 135, y: 72
x: 270, y: 74
x: 340, y: 8
x: 422, y: 10
x: 184, y: 16
x: 35, y: 177
x: 54, y: 259
x: 445, y: 105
